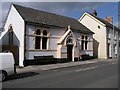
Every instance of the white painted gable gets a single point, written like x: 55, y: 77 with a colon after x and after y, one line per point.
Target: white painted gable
x: 16, y: 21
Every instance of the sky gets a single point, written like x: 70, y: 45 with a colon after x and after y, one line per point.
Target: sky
x: 70, y: 9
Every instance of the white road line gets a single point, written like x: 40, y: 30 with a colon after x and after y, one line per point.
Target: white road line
x: 83, y: 69
x: 114, y: 62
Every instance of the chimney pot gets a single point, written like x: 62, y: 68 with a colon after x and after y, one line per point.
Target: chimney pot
x: 94, y: 13
x: 109, y: 19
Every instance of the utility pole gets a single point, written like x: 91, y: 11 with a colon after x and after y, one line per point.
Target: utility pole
x: 113, y: 48
x: 119, y: 32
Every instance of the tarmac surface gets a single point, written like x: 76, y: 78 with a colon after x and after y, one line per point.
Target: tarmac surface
x: 95, y: 73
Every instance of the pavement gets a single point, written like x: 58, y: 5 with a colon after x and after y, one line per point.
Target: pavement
x: 33, y: 68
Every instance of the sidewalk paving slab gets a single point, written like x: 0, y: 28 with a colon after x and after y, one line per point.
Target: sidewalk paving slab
x: 33, y: 68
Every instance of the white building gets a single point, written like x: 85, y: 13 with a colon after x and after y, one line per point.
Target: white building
x: 106, y: 38
x: 31, y: 33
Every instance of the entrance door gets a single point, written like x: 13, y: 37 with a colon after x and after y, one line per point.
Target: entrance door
x: 69, y: 52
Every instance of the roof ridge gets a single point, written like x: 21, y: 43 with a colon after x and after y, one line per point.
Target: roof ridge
x: 36, y: 16
x: 43, y: 11
x: 104, y: 21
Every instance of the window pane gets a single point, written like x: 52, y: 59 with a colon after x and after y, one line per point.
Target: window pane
x: 44, y: 40
x: 82, y: 36
x: 86, y: 42
x: 82, y: 45
x: 86, y: 37
x: 37, y: 40
x: 44, y: 43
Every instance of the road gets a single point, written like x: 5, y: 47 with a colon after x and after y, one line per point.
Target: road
x: 102, y: 74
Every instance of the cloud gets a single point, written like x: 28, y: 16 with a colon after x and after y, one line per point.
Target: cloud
x: 62, y: 8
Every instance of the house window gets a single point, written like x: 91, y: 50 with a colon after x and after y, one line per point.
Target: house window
x: 41, y: 39
x: 82, y: 45
x: 37, y: 39
x: 84, y: 42
x: 69, y: 40
x: 44, y: 40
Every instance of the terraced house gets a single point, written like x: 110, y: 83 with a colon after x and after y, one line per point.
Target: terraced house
x: 32, y: 34
x: 107, y: 36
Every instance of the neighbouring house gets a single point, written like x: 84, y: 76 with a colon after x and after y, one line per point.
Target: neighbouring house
x: 31, y: 34
x: 107, y: 36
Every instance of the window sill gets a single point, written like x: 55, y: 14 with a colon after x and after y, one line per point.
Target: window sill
x: 40, y: 50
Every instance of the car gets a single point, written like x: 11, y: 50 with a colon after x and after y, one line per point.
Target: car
x: 7, y: 65
x: 85, y: 56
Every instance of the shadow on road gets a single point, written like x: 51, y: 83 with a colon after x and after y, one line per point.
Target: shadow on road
x: 22, y: 75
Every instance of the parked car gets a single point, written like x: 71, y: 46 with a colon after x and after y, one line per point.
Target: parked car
x: 7, y: 65
x: 85, y: 56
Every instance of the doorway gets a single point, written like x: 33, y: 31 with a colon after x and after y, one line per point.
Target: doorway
x: 108, y: 50
x: 69, y: 52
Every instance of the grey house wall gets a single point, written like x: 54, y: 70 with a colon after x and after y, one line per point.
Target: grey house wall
x: 55, y: 35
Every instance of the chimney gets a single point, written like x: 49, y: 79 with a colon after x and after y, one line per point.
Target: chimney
x: 109, y: 19
x: 94, y: 13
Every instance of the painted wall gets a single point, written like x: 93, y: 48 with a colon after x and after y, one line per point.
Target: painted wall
x: 55, y: 34
x: 89, y: 45
x: 15, y: 20
x: 99, y: 38
x: 113, y: 40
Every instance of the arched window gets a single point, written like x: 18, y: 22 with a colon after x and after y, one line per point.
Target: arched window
x: 82, y: 42
x: 69, y: 40
x: 86, y: 42
x: 37, y: 39
x: 44, y: 40
x: 10, y: 35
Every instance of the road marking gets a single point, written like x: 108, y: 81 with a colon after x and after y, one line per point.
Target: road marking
x: 83, y: 69
x: 114, y: 62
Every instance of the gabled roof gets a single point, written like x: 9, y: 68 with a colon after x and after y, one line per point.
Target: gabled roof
x: 46, y: 18
x: 105, y: 22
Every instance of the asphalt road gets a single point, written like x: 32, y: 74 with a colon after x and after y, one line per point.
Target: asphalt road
x: 98, y: 75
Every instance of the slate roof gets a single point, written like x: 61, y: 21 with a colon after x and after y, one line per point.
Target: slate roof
x: 1, y: 29
x: 46, y: 18
x: 106, y: 22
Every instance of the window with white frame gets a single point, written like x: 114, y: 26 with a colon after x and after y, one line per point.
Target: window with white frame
x: 37, y: 39
x: 84, y: 42
x: 44, y: 40
x: 41, y: 39
x: 69, y: 40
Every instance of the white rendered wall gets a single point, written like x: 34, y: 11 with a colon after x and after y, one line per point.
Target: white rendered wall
x: 15, y: 20
x: 99, y: 36
x: 55, y: 34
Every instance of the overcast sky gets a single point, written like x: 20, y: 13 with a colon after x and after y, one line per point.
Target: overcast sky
x: 70, y: 9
